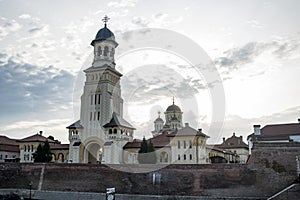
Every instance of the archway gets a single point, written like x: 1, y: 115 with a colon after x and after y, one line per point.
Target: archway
x: 93, y: 153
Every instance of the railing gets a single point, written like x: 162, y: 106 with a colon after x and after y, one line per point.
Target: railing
x: 282, y: 191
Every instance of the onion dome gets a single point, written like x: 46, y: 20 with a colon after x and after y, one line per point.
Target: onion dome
x: 104, y: 33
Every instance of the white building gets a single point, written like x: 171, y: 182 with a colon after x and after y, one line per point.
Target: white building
x: 101, y: 132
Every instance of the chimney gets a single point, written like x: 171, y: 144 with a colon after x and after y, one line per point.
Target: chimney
x: 298, y: 120
x: 241, y: 137
x: 186, y: 124
x: 200, y: 130
x: 41, y: 132
x: 233, y: 134
x: 223, y: 139
x: 256, y: 129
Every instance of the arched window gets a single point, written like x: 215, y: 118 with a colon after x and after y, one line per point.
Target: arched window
x: 184, y: 157
x: 105, y: 51
x: 178, y: 156
x: 99, y: 52
x: 191, y: 157
x: 110, y: 131
x: 184, y: 144
x: 190, y: 143
x: 112, y: 52
x: 115, y: 131
x: 24, y: 147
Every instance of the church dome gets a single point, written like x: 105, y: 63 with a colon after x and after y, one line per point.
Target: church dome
x: 104, y: 34
x: 173, y: 108
x: 159, y: 120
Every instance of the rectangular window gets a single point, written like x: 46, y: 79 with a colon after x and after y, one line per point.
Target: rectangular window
x: 184, y: 157
x: 94, y: 116
x: 91, y: 116
x: 32, y: 148
x: 178, y: 156
x: 95, y: 99
x: 91, y: 99
x: 98, y: 116
x: 178, y: 144
x: 0, y: 156
x: 24, y: 147
x: 191, y: 157
x: 99, y: 99
x: 184, y: 144
x: 190, y: 144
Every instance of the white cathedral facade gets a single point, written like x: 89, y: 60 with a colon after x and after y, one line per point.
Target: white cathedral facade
x: 101, y: 135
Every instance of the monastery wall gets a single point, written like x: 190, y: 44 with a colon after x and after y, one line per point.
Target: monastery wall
x: 270, y: 169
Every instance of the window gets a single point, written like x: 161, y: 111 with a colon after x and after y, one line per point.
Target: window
x: 184, y: 144
x: 184, y: 157
x: 98, y: 116
x: 91, y: 116
x: 178, y: 144
x: 92, y: 99
x: 112, y: 52
x: 105, y: 51
x: 24, y: 147
x: 115, y: 131
x: 0, y: 156
x: 99, y: 99
x: 95, y: 99
x: 190, y: 143
x: 178, y: 156
x: 99, y: 51
x: 6, y: 156
x: 32, y: 148
x: 191, y: 157
x: 110, y: 131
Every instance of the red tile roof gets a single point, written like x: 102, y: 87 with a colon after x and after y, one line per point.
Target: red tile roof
x: 7, y: 144
x: 233, y: 142
x: 277, y: 131
x: 36, y: 138
x: 56, y: 146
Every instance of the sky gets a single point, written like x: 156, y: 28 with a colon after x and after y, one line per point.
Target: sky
x: 253, y: 44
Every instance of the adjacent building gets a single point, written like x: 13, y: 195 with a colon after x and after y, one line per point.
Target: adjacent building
x: 9, y: 150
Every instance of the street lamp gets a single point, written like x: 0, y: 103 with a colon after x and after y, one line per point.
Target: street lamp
x: 30, y: 186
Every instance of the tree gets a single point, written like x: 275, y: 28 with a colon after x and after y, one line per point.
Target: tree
x: 147, y: 153
x: 43, y: 153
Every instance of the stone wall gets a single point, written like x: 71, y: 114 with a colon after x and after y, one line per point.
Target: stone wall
x: 270, y: 169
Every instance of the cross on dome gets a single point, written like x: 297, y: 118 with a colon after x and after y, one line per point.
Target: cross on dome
x: 105, y: 20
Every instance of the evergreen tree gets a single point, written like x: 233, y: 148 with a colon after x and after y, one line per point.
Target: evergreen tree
x: 43, y: 153
x: 147, y: 153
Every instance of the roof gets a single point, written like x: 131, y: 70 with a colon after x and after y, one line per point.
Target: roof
x: 104, y: 34
x: 8, y: 141
x: 173, y: 108
x: 159, y: 120
x: 233, y: 142
x: 56, y: 146
x: 7, y: 144
x: 75, y: 125
x: 189, y: 131
x: 281, y: 129
x: 36, y: 138
x: 118, y: 121
x: 103, y: 67
x: 278, y: 131
x: 216, y: 148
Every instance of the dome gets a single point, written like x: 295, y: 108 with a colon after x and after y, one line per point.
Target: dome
x: 159, y: 120
x: 104, y: 34
x: 173, y: 108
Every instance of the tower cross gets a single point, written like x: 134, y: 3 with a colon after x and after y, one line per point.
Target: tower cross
x: 105, y: 19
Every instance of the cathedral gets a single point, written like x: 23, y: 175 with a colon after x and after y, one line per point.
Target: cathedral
x: 102, y: 135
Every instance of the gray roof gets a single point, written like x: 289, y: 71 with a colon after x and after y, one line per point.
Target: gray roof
x: 75, y: 125
x: 104, y: 34
x: 118, y: 121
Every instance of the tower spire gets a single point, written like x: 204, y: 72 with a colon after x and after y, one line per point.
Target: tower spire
x: 173, y: 100
x: 105, y: 20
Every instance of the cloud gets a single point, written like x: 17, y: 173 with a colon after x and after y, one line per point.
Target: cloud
x: 148, y: 84
x: 253, y: 54
x: 39, y: 31
x: 122, y: 3
x: 8, y: 26
x: 31, y: 90
x: 25, y: 16
x: 140, y: 21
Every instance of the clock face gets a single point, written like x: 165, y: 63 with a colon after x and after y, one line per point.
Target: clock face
x: 110, y: 197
